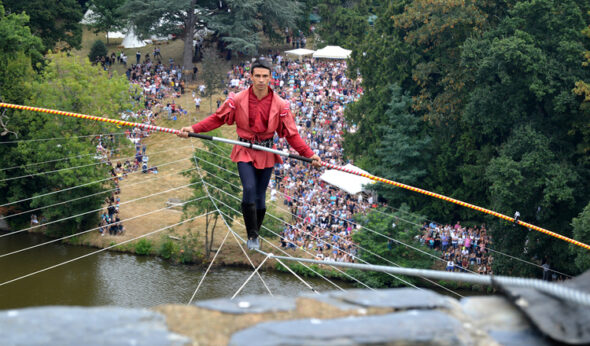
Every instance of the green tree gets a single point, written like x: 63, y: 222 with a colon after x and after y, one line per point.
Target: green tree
x: 19, y: 51
x: 52, y: 21
x: 237, y: 23
x: 218, y: 183
x: 581, y: 227
x: 401, y: 152
x: 528, y: 177
x: 212, y: 73
x: 97, y: 51
x: 382, y: 247
x: 71, y: 84
x: 343, y: 22
x: 107, y: 16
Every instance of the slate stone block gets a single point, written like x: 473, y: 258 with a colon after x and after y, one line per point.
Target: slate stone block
x: 66, y: 326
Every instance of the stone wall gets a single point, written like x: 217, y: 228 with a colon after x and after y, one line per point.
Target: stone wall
x: 357, y: 317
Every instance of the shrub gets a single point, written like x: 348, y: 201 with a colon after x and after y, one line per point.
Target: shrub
x: 143, y: 247
x: 98, y: 50
x: 168, y: 250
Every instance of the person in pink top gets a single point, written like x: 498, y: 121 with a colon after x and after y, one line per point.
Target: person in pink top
x: 258, y: 113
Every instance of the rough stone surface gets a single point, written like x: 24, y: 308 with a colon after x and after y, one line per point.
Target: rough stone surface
x: 85, y: 326
x: 396, y: 328
x: 562, y: 321
x: 397, y: 298
x: 358, y: 317
x: 249, y: 304
x: 501, y: 320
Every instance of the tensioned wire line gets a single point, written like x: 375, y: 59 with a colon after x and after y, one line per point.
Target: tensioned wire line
x: 93, y: 229
x: 56, y: 138
x: 229, y: 229
x: 50, y: 161
x: 98, y: 193
x: 304, y: 250
x: 385, y: 259
x: 81, y: 166
x: 103, y: 249
x: 289, y: 255
x: 85, y: 184
x: 336, y: 247
x: 487, y: 247
x: 400, y: 218
x: 237, y: 236
x: 383, y: 235
x: 309, y: 160
x: 95, y: 210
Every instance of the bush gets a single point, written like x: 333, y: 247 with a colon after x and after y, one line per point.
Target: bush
x: 143, y: 247
x: 168, y: 250
x: 98, y: 50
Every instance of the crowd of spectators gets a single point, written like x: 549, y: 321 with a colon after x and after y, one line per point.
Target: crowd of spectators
x: 318, y: 92
x: 157, y: 88
x: 462, y: 248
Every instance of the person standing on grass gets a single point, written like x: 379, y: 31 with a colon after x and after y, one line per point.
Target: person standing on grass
x: 258, y: 113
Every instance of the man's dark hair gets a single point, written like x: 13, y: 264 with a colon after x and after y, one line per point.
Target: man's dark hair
x: 261, y: 62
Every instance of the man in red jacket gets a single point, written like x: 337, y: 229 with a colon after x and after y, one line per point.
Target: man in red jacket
x: 258, y: 113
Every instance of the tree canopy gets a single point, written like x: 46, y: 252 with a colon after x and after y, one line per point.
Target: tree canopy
x: 52, y: 21
x: 491, y: 108
x: 71, y: 84
x: 239, y: 24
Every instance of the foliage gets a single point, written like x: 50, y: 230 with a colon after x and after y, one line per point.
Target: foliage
x: 583, y: 89
x: 57, y: 23
x: 97, y: 51
x: 212, y: 73
x: 380, y: 250
x: 143, y: 247
x: 401, y: 147
x: 220, y: 186
x: 168, y: 249
x: 19, y: 51
x: 107, y: 16
x: 498, y: 88
x: 581, y: 226
x: 344, y: 21
x: 239, y: 24
x: 70, y: 84
x: 189, y: 251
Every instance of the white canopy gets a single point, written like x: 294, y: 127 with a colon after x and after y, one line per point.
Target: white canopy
x: 116, y: 34
x: 89, y: 18
x: 350, y: 183
x: 332, y: 52
x: 299, y: 52
x: 132, y: 41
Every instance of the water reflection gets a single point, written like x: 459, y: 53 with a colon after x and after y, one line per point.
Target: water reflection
x: 120, y: 279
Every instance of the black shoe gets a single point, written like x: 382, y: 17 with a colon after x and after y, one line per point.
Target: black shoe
x: 250, y: 219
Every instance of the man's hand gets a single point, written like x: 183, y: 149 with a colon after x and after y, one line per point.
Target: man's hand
x: 185, y: 131
x: 317, y: 162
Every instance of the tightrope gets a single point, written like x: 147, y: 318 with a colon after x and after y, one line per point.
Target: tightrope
x: 301, y: 158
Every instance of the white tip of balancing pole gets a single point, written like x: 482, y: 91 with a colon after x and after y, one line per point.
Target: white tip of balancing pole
x: 244, y: 305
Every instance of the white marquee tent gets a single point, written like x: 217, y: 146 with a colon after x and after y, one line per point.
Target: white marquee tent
x: 350, y: 183
x: 132, y: 41
x: 299, y: 53
x: 332, y: 52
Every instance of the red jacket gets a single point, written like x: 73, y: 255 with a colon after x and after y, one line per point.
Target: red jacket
x: 280, y: 120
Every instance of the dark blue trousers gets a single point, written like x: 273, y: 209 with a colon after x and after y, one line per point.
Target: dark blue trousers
x: 254, y: 183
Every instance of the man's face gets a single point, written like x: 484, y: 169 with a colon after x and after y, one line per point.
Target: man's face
x: 260, y: 78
